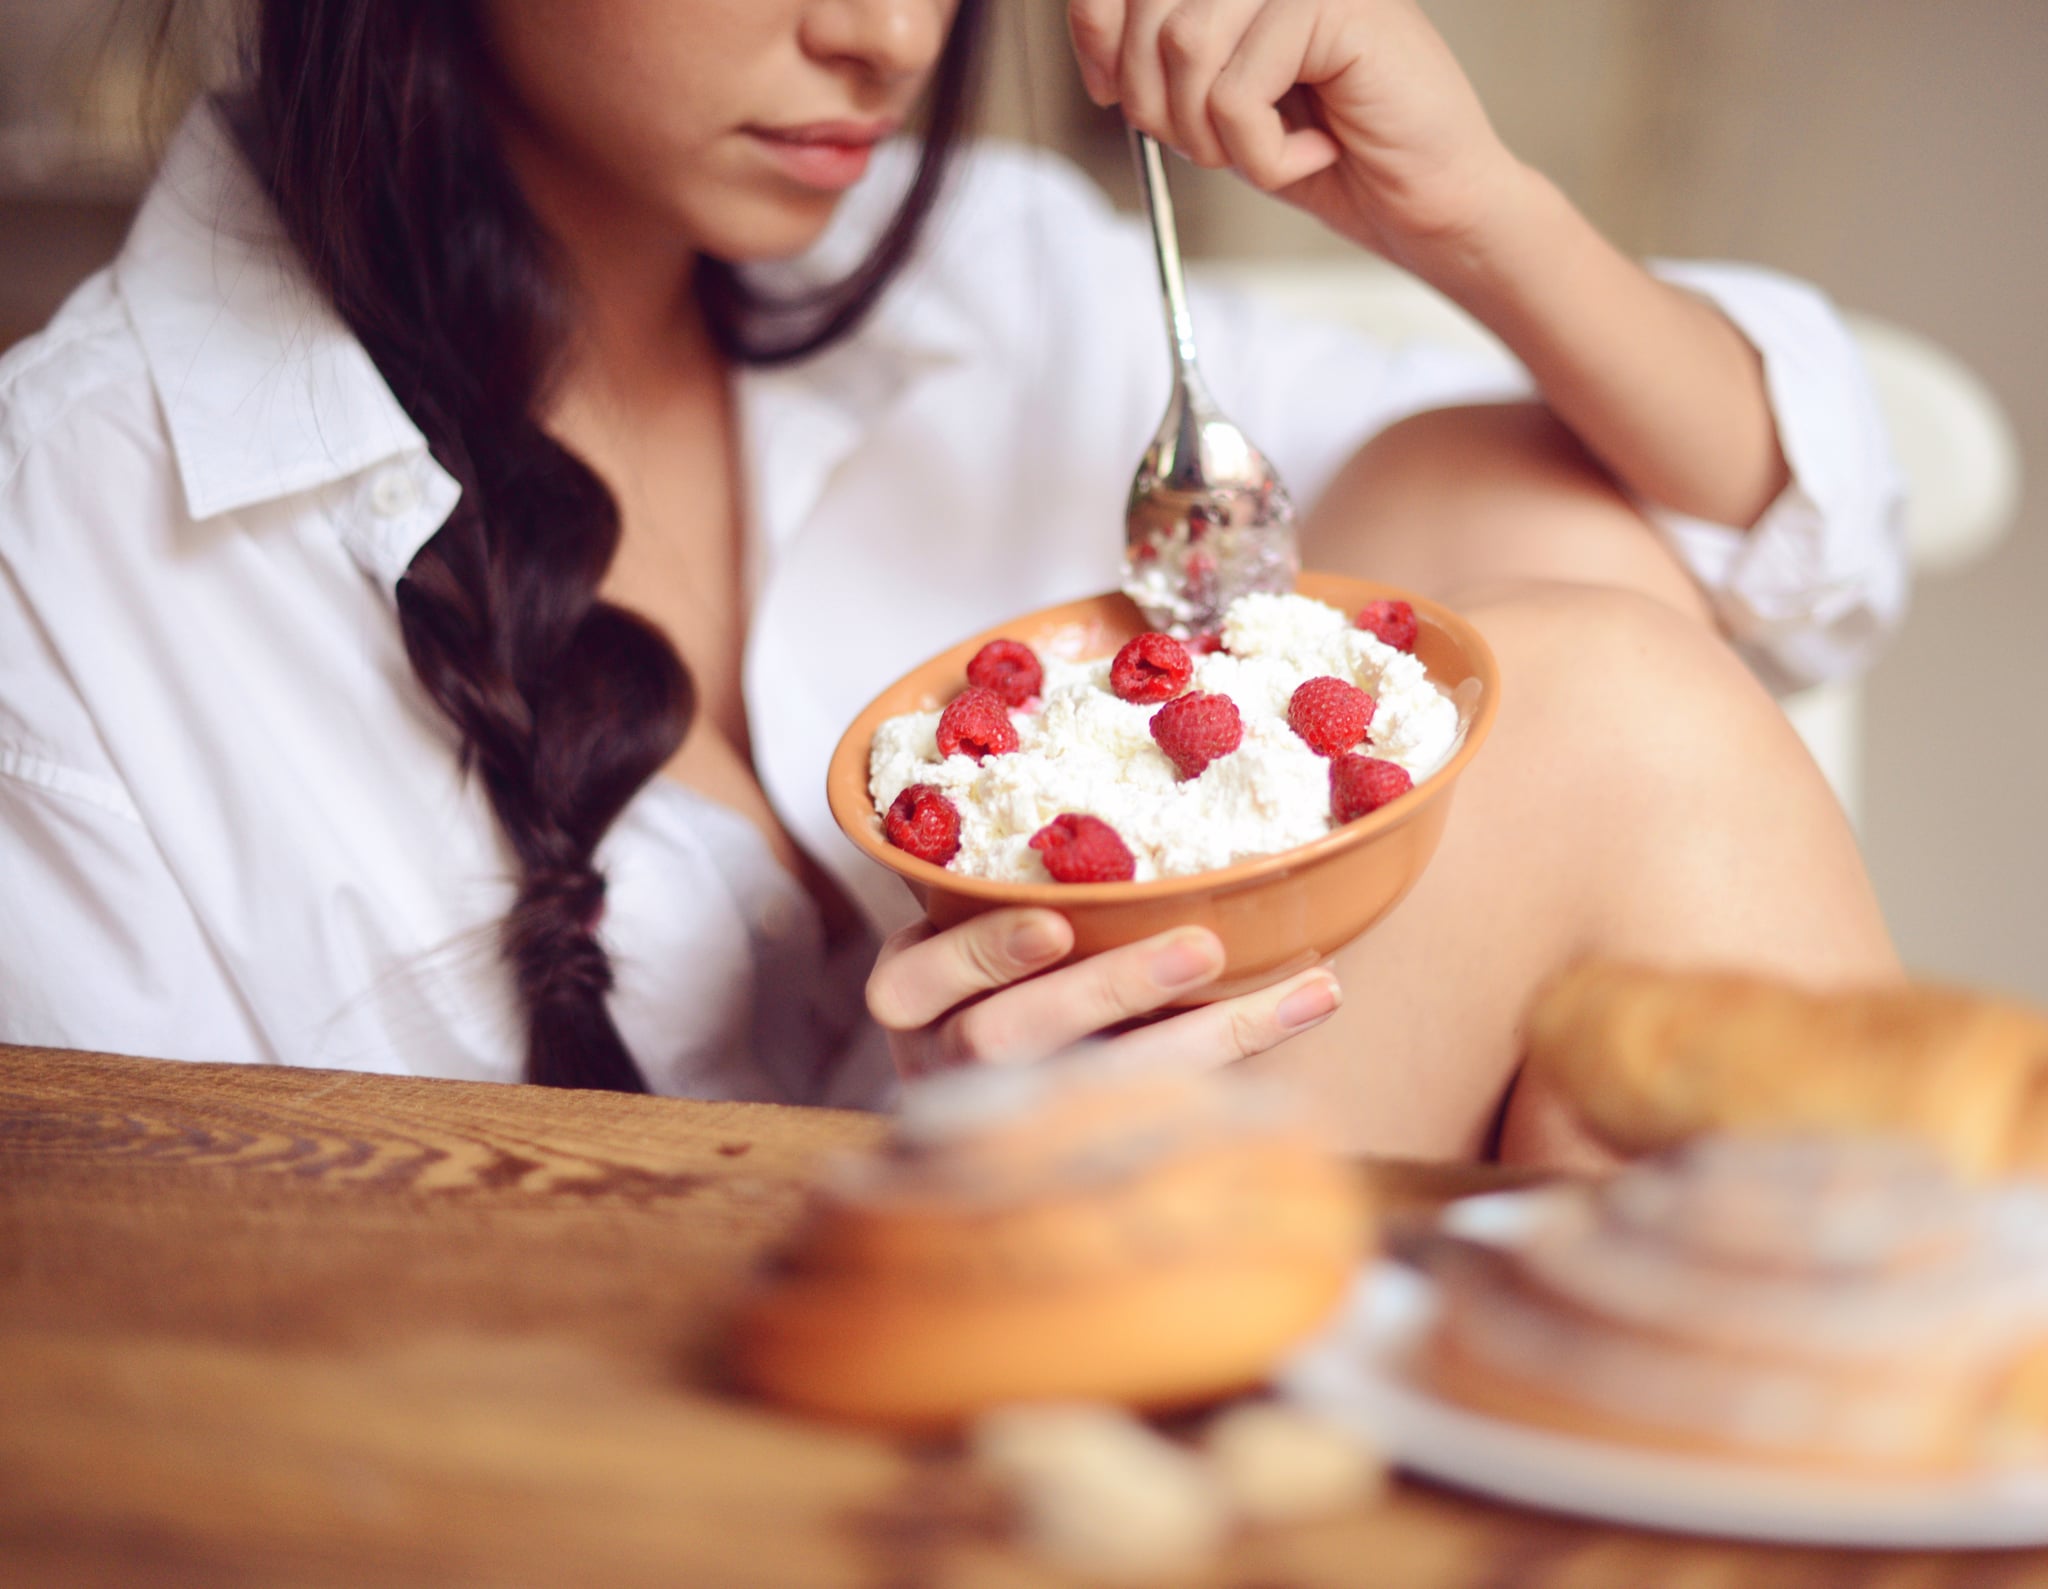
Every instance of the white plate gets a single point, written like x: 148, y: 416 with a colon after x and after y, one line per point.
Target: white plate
x: 1356, y: 1374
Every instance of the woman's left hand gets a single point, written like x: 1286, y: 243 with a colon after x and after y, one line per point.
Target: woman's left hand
x: 1355, y: 110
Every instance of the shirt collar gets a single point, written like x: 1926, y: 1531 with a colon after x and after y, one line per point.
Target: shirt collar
x: 265, y: 392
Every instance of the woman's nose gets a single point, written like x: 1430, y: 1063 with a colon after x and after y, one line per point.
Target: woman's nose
x: 889, y: 38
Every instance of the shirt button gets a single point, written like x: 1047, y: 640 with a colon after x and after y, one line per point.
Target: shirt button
x: 393, y: 493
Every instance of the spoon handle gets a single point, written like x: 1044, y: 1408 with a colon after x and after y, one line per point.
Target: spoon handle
x: 1180, y: 326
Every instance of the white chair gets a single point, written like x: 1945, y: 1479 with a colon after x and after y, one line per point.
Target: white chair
x: 1952, y: 438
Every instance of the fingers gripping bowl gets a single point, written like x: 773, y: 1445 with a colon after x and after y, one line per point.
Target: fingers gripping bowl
x: 1274, y: 913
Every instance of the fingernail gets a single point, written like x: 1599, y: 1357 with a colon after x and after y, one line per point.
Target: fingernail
x: 1034, y: 940
x: 1099, y: 88
x: 1307, y: 1005
x: 1189, y: 961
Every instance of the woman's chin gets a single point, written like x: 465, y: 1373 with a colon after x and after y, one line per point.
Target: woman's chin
x: 762, y: 229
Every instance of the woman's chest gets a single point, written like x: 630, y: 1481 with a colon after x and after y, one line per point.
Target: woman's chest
x: 680, y: 565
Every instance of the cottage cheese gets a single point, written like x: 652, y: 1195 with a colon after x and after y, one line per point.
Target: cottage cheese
x: 1082, y: 749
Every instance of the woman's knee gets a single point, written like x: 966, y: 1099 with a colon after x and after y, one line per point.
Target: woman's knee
x: 1695, y: 822
x: 1643, y: 701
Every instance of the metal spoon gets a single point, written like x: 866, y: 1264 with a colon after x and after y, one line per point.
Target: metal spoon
x: 1207, y: 520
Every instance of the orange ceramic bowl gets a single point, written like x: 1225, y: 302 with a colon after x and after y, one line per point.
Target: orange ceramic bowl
x: 1275, y: 914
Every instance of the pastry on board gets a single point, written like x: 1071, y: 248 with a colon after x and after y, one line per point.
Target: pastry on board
x: 1825, y: 1303
x: 1068, y: 1231
x: 1648, y: 1058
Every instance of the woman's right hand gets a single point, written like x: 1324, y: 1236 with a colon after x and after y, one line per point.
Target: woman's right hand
x: 1354, y: 110
x: 992, y: 990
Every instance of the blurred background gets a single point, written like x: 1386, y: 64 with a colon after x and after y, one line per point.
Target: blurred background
x: 1887, y: 150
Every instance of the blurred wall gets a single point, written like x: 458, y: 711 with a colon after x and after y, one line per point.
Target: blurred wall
x: 71, y: 145
x: 1888, y: 150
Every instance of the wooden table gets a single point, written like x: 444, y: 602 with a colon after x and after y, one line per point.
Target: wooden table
x: 271, y: 1327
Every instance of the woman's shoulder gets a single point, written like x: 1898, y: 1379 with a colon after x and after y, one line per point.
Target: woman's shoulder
x: 87, y: 362
x: 81, y: 388
x: 73, y: 398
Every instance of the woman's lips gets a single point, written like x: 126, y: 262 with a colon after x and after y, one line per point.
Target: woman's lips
x: 828, y: 155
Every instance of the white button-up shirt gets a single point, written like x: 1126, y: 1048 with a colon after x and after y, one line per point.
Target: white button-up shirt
x: 233, y: 827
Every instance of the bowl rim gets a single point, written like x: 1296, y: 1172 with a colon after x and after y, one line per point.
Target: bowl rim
x: 853, y: 806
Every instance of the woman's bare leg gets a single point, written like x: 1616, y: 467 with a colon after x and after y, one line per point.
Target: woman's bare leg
x: 1459, y: 498
x: 1640, y: 796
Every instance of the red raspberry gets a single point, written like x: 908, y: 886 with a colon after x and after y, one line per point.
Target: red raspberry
x: 1151, y: 667
x: 1083, y: 849
x: 1359, y: 784
x: 976, y: 725
x: 1330, y: 715
x: 924, y: 823
x: 1206, y: 644
x: 1010, y: 668
x: 1393, y: 621
x: 1196, y: 729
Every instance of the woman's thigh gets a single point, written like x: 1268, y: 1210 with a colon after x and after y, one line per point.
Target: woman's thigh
x: 1458, y: 500
x: 1640, y: 796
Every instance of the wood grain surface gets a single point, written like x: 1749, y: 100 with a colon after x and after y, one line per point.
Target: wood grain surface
x: 276, y: 1328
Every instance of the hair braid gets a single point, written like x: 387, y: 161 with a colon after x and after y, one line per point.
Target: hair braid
x: 566, y: 705
x: 367, y: 122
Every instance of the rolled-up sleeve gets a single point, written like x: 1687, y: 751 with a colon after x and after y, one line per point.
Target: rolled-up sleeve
x: 1812, y: 591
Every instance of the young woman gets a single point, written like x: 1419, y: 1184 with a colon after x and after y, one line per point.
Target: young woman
x: 441, y: 552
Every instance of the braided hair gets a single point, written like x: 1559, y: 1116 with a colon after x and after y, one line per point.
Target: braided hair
x: 366, y: 122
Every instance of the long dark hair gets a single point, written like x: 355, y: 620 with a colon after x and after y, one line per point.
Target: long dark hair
x: 368, y: 122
